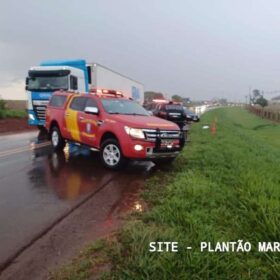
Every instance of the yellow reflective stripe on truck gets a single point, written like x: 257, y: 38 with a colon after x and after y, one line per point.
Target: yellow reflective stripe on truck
x: 72, y: 124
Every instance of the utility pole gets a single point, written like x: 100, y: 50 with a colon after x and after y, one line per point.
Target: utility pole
x: 249, y: 101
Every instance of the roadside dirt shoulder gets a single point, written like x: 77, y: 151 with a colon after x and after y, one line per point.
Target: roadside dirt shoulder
x: 15, y: 125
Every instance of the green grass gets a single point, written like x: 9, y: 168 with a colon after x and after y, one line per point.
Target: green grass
x: 9, y: 113
x: 224, y: 187
x: 82, y: 266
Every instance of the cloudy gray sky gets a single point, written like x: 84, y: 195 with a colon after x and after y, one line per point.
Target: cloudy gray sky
x: 199, y: 48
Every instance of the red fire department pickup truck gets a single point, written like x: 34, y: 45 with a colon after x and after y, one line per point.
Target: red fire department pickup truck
x: 117, y: 127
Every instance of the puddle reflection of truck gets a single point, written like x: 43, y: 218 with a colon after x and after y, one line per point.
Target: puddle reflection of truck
x: 75, y: 76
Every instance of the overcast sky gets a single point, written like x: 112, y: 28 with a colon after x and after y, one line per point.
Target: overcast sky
x: 198, y: 49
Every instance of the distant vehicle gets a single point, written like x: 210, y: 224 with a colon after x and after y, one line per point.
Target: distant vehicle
x: 116, y: 126
x: 76, y: 76
x: 171, y: 111
x: 151, y: 106
x: 191, y: 116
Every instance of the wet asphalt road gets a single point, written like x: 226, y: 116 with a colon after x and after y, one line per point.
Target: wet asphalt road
x: 39, y: 187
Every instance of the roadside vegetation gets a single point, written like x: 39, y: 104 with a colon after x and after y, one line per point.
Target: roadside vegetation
x: 223, y: 187
x: 10, y: 113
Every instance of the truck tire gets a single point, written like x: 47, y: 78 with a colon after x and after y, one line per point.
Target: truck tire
x: 43, y: 133
x: 111, y: 154
x: 57, y: 141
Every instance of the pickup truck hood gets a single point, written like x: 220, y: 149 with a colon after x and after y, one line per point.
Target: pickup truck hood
x: 144, y: 122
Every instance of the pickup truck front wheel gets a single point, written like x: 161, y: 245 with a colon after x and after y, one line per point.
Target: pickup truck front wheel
x: 111, y: 154
x: 57, y: 141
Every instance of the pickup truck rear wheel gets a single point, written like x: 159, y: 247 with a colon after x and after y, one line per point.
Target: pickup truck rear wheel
x: 111, y: 154
x: 57, y: 141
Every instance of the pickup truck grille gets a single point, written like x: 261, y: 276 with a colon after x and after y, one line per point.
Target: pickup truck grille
x: 152, y: 134
x: 39, y: 107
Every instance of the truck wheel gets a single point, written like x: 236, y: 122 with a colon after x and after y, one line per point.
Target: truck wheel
x: 57, y: 141
x: 111, y: 154
x: 43, y: 133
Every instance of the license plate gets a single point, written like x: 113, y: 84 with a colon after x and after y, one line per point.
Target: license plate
x: 167, y: 143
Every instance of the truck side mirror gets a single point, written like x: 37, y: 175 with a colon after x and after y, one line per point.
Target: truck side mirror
x: 91, y: 110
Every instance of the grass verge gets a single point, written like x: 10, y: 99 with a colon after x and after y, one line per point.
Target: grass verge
x: 10, y: 113
x: 223, y: 187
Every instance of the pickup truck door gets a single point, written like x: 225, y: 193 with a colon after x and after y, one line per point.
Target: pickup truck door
x: 72, y: 116
x: 89, y: 125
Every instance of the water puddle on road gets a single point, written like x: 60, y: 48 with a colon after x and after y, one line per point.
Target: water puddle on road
x: 48, y: 187
x: 130, y: 185
x: 70, y: 174
x: 77, y: 172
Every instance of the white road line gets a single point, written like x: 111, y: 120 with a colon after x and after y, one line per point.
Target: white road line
x: 23, y: 149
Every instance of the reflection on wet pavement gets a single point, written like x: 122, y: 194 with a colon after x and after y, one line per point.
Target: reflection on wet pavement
x: 77, y: 171
x: 70, y: 174
x: 38, y: 186
x: 126, y: 191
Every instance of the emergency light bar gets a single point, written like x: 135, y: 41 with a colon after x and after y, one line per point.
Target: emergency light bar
x: 160, y: 101
x: 107, y: 92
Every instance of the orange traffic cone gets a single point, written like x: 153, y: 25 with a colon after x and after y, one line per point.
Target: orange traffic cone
x: 213, y: 128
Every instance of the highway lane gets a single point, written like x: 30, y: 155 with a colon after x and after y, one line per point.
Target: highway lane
x: 38, y: 187
x: 14, y: 141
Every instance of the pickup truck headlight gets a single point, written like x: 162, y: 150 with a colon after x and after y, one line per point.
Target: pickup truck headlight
x: 135, y: 132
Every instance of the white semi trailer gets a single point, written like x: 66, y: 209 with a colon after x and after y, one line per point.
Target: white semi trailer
x: 73, y: 75
x: 105, y: 78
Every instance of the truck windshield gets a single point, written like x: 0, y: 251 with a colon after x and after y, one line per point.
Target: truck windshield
x: 123, y: 107
x: 47, y: 83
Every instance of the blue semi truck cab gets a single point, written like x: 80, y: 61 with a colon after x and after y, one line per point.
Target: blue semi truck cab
x: 43, y: 80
